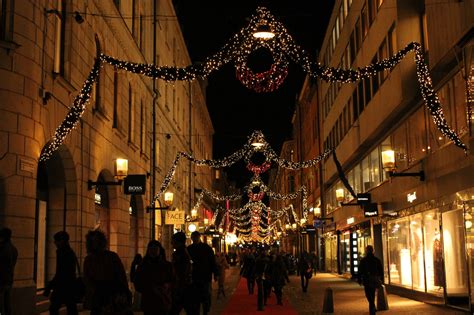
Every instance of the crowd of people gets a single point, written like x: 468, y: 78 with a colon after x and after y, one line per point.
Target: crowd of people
x: 162, y: 286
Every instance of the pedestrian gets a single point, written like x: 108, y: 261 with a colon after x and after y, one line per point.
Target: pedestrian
x: 136, y: 262
x: 260, y: 266
x: 64, y: 281
x: 268, y: 278
x: 248, y: 271
x: 8, y: 257
x: 305, y: 270
x: 106, y: 283
x: 279, y: 276
x: 182, y: 269
x: 204, y: 265
x: 154, y: 280
x: 371, y: 276
x: 314, y: 262
x: 222, y: 265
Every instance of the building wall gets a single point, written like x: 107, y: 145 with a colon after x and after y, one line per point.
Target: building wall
x: 35, y: 101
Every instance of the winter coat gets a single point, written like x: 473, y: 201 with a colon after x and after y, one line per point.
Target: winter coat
x: 204, y: 262
x: 182, y: 268
x: 276, y: 272
x: 66, y: 266
x: 105, y: 280
x: 154, y: 279
x: 222, y: 265
x: 370, y: 271
x: 248, y: 267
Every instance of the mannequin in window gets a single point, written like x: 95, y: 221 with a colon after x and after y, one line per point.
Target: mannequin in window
x: 438, y: 261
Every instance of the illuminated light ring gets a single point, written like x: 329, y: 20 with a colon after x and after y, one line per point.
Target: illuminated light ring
x: 262, y: 82
x: 259, y: 169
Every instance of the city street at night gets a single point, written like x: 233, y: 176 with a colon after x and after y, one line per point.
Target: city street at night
x: 167, y: 157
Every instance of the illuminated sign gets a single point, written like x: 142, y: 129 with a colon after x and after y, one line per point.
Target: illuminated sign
x: 174, y: 217
x: 98, y: 199
x: 411, y: 197
x: 371, y: 210
x: 363, y: 198
x: 350, y: 220
x: 134, y: 185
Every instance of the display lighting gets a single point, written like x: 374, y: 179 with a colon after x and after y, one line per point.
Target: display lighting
x: 264, y: 32
x: 237, y: 50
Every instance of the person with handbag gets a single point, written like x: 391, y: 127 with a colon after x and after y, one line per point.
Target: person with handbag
x: 105, y: 279
x: 63, y: 283
x: 154, y: 279
x: 371, y: 276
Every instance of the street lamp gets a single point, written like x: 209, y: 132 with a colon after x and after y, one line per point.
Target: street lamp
x: 169, y: 196
x: 121, y: 171
x: 388, y: 162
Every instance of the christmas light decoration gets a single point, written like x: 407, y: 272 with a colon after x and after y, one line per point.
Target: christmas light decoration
x: 236, y: 50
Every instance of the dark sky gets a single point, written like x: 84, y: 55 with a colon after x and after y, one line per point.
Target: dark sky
x: 235, y: 110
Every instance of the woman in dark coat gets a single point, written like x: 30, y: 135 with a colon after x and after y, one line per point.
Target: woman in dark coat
x: 105, y: 279
x: 154, y: 278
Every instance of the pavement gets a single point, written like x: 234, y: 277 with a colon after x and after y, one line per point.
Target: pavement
x: 349, y: 298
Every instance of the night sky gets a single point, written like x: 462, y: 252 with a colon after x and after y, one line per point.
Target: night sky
x: 235, y: 110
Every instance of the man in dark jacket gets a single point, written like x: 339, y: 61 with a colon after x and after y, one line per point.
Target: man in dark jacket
x: 260, y: 268
x: 8, y: 257
x: 371, y: 275
x: 248, y: 271
x: 182, y: 267
x: 63, y: 283
x: 204, y: 265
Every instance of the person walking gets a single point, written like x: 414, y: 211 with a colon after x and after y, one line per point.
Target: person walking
x: 64, y: 281
x: 222, y: 265
x: 260, y: 268
x: 371, y: 276
x: 248, y: 271
x: 8, y: 257
x: 204, y: 265
x: 182, y: 268
x: 279, y: 277
x: 105, y: 278
x: 154, y: 279
x: 305, y: 270
x: 136, y: 262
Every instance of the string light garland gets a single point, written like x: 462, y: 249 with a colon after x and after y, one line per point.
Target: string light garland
x: 236, y: 50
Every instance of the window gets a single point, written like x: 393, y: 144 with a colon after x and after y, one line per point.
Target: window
x: 368, y: 92
x: 131, y: 116
x: 360, y: 95
x: 426, y: 45
x: 392, y: 41
x: 372, y: 11
x: 6, y: 19
x: 366, y: 176
x: 355, y: 105
x: 60, y: 25
x: 399, y: 252
x: 375, y: 79
x: 364, y: 21
x: 383, y: 54
x: 417, y: 141
x: 142, y: 128
x: 291, y: 183
x: 116, y: 99
x: 98, y: 84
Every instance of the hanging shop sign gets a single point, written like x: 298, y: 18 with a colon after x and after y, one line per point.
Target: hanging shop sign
x: 363, y: 199
x: 134, y: 185
x: 411, y: 197
x: 174, y: 217
x: 371, y: 210
x: 350, y: 220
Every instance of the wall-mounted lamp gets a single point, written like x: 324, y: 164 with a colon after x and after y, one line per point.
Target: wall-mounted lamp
x: 263, y: 32
x: 121, y: 171
x: 388, y: 162
x: 169, y: 196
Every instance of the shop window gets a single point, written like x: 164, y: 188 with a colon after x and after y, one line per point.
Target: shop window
x: 345, y: 253
x: 399, y: 252
x: 385, y: 145
x: 399, y: 142
x: 433, y: 253
x: 375, y: 167
x: 417, y: 263
x: 366, y: 178
x: 357, y: 178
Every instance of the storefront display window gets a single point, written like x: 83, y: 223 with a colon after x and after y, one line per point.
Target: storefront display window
x: 330, y: 246
x: 417, y: 141
x: 454, y: 258
x: 433, y: 253
x: 399, y: 252
x: 345, y: 252
x: 416, y: 250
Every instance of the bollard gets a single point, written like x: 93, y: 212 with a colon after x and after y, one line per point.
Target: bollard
x: 328, y: 304
x: 382, y: 301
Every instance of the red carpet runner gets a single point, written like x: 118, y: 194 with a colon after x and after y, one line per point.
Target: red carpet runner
x: 243, y: 303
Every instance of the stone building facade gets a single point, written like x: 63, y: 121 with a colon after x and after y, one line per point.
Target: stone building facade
x: 47, y: 48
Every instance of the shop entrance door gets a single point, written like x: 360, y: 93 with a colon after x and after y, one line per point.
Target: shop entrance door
x: 468, y: 217
x: 454, y: 244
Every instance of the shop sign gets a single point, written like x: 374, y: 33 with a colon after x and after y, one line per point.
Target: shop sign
x: 411, y: 197
x: 350, y: 220
x: 371, y: 210
x: 330, y: 227
x: 174, y: 217
x: 363, y: 199
x: 134, y: 185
